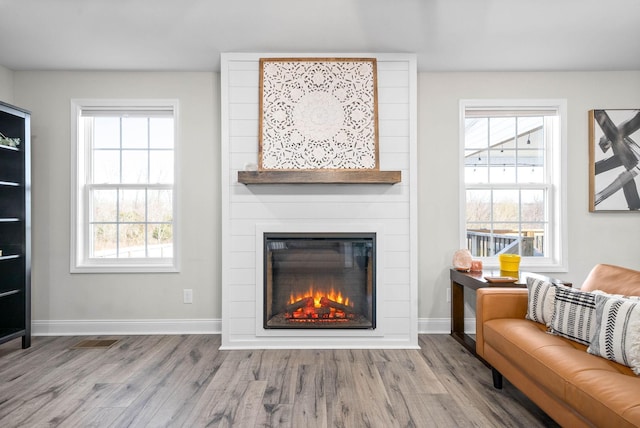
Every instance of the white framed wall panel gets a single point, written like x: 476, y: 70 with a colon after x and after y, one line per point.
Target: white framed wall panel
x: 246, y: 209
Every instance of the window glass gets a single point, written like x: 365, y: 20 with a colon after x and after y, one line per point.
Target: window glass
x: 509, y: 154
x: 135, y: 166
x: 135, y: 132
x: 125, y: 187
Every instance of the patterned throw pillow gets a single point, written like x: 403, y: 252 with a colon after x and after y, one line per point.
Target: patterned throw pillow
x: 540, y: 303
x: 616, y: 335
x: 574, y: 314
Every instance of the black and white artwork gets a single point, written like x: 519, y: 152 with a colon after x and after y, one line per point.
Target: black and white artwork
x: 614, y: 160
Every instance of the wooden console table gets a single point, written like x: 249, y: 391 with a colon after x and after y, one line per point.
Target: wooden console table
x: 473, y: 281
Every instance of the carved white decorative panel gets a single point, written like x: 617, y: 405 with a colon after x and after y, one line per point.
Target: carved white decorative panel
x: 318, y: 113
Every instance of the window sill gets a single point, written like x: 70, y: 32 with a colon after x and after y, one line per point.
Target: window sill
x: 125, y: 268
x: 529, y: 267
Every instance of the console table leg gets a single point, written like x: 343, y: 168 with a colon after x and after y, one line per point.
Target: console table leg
x: 457, y: 309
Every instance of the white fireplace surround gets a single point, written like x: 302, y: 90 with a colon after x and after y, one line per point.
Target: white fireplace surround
x: 389, y: 211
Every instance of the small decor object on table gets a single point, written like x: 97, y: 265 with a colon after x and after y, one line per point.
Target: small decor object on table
x: 462, y: 260
x: 509, y: 264
x: 501, y: 279
x: 476, y: 266
x: 9, y: 142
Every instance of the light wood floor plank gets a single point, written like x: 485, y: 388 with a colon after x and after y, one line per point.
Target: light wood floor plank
x: 56, y: 385
x: 280, y: 378
x: 186, y: 381
x: 93, y: 417
x: 170, y: 371
x: 72, y: 397
x: 275, y: 416
x: 250, y: 404
x: 226, y: 376
x: 459, y: 373
x: 373, y: 401
x: 401, y: 390
x: 184, y: 393
x: 310, y: 406
x: 219, y: 403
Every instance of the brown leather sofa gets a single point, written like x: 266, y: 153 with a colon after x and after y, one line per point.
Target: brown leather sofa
x: 572, y: 386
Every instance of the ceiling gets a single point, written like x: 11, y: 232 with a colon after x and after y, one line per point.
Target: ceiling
x: 446, y: 35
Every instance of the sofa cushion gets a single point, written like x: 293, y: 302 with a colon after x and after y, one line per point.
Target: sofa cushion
x: 554, y: 362
x: 540, y: 301
x: 617, y: 331
x: 607, y: 398
x: 573, y: 314
x: 517, y: 340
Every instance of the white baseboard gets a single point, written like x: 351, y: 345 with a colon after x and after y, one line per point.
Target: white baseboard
x: 186, y: 326
x: 443, y: 325
x: 124, y: 327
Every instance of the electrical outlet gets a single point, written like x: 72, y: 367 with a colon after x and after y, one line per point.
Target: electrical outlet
x: 187, y: 295
x: 448, y: 295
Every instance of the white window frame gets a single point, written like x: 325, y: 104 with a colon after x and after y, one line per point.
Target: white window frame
x: 556, y: 162
x: 80, y: 156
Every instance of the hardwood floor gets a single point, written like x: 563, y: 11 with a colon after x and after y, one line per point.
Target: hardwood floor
x: 185, y: 381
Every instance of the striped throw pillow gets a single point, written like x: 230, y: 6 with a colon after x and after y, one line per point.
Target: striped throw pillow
x: 616, y: 335
x: 540, y: 302
x: 573, y: 314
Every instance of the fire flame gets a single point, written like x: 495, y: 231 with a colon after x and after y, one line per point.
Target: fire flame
x: 317, y: 295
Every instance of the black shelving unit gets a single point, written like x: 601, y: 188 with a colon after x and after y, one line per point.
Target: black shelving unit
x: 15, y: 225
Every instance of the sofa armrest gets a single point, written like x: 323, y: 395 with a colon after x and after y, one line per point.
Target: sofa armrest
x: 492, y: 303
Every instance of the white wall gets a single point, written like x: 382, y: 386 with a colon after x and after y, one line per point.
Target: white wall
x: 106, y: 299
x: 6, y: 85
x: 593, y: 238
x: 57, y: 295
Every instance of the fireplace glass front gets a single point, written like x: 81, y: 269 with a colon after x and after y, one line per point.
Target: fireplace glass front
x: 319, y: 280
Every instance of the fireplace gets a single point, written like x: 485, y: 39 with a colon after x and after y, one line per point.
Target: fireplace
x: 389, y: 212
x: 319, y: 280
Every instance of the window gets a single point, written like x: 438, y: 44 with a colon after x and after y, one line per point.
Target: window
x: 513, y: 181
x: 124, y: 192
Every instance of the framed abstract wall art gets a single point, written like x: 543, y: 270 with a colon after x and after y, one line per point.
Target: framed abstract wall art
x: 318, y: 114
x: 614, y: 160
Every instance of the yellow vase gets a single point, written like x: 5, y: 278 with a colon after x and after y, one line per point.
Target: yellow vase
x: 509, y: 264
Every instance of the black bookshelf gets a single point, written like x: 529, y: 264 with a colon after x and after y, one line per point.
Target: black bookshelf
x: 15, y: 224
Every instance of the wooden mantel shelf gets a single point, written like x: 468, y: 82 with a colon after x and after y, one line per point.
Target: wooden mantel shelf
x: 320, y: 177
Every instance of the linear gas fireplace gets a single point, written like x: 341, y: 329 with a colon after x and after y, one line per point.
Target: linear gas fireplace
x: 319, y: 280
